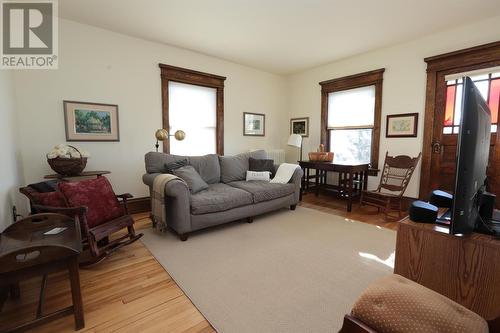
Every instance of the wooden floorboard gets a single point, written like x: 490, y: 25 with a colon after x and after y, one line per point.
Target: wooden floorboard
x: 131, y: 292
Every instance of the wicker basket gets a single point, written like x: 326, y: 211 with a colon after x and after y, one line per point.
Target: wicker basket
x: 321, y: 156
x: 68, y: 166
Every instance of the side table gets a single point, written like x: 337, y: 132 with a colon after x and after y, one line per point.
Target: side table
x: 26, y: 251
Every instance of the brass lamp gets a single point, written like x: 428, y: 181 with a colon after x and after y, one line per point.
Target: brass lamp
x: 162, y: 135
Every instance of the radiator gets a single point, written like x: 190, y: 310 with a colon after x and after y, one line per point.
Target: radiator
x: 278, y: 155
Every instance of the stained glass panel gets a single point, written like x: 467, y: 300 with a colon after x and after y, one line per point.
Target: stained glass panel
x: 458, y: 105
x: 494, y: 100
x: 450, y: 103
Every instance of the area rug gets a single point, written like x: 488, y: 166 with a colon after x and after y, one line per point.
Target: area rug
x: 288, y: 271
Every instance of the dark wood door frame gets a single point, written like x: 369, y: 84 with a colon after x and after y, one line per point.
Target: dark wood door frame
x: 183, y: 75
x: 479, y: 57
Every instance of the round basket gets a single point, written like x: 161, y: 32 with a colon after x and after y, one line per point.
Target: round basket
x: 321, y: 156
x: 68, y: 166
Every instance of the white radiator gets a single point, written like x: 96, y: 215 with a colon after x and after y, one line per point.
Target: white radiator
x: 278, y: 155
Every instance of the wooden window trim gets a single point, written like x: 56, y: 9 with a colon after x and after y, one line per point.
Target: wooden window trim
x: 183, y: 75
x: 370, y: 78
x: 478, y: 57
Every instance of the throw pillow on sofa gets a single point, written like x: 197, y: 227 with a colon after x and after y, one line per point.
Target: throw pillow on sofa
x: 258, y: 175
x: 255, y: 164
x: 170, y: 167
x: 192, y: 178
x: 95, y: 194
x: 234, y: 168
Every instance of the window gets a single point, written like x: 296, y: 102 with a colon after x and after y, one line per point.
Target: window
x: 192, y: 109
x: 350, y: 122
x: 489, y: 86
x: 193, y: 102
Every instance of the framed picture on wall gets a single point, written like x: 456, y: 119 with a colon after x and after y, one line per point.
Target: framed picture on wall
x: 402, y: 125
x: 91, y: 121
x: 254, y: 124
x: 300, y: 126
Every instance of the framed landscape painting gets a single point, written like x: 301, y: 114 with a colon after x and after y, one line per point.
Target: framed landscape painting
x: 91, y: 121
x: 254, y: 124
x: 402, y: 125
x: 300, y: 126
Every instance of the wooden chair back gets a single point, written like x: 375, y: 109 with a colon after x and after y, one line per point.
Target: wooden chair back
x: 397, y: 173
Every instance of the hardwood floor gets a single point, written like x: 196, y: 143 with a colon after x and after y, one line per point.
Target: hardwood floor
x: 131, y: 292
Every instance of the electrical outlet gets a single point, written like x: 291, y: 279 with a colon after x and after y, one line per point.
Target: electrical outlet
x: 14, y: 213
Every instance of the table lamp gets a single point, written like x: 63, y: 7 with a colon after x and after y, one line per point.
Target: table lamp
x: 295, y: 140
x: 162, y: 135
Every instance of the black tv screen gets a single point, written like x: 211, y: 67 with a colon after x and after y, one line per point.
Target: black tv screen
x: 472, y: 159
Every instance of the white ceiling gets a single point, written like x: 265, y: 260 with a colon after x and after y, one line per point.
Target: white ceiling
x: 279, y: 36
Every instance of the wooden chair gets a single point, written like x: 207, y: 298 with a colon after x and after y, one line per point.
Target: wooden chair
x: 395, y: 177
x: 96, y: 240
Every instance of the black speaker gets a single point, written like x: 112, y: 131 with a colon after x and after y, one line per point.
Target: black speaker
x: 441, y: 199
x: 487, y: 205
x: 424, y: 212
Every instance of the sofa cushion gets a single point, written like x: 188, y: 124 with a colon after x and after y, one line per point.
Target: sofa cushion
x: 95, y: 194
x: 219, y: 197
x: 234, y: 168
x: 192, y: 178
x: 156, y: 162
x: 264, y: 191
x: 207, y: 166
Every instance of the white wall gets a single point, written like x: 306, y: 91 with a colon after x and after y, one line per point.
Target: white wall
x: 403, y: 88
x: 9, y: 168
x: 97, y: 65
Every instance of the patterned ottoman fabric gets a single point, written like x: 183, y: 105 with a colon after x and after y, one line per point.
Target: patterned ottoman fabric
x: 395, y: 304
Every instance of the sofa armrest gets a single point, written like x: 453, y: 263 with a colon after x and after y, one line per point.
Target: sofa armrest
x: 178, y: 203
x: 148, y: 178
x: 297, y: 181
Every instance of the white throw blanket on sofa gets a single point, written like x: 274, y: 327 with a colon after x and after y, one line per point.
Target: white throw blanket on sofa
x: 284, y: 173
x: 158, y: 207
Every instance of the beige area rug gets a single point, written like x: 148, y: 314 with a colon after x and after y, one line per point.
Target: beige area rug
x: 289, y: 271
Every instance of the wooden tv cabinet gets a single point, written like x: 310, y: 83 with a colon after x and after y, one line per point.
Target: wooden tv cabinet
x: 466, y: 269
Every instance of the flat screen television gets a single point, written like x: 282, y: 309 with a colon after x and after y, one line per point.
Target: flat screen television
x: 472, y: 160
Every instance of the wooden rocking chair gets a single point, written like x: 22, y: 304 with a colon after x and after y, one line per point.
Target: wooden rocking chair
x: 96, y: 240
x: 395, y: 177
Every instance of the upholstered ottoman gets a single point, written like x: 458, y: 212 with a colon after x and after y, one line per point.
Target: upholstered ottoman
x: 395, y: 304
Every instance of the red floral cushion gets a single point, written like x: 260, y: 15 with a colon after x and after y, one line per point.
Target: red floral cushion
x: 97, y: 195
x: 50, y: 199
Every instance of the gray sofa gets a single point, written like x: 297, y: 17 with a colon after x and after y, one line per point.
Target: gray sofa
x: 228, y: 198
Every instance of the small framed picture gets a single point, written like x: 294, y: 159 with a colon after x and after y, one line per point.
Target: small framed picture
x: 254, y: 124
x: 300, y: 126
x: 401, y: 125
x: 91, y: 121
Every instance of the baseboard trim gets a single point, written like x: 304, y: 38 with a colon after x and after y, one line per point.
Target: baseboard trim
x: 139, y: 205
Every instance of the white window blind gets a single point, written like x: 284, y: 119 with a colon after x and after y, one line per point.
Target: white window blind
x: 193, y: 109
x: 351, y: 117
x: 351, y: 108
